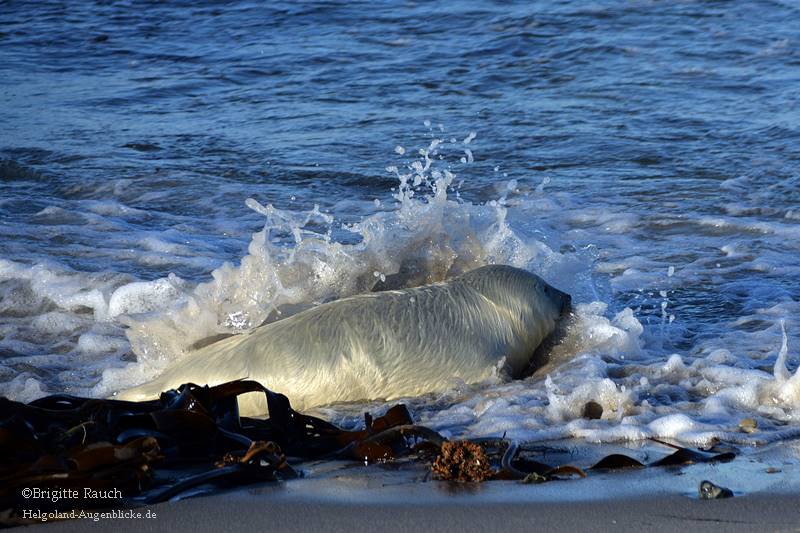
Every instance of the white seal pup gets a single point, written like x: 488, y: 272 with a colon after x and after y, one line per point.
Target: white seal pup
x: 386, y: 344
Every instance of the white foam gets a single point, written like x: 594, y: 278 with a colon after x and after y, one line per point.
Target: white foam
x: 145, y: 296
x: 64, y: 288
x: 154, y: 244
x: 24, y: 389
x: 62, y: 328
x: 427, y: 237
x: 565, y: 406
x: 93, y: 344
x: 57, y: 323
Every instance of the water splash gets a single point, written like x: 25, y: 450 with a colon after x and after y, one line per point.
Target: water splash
x: 293, y: 262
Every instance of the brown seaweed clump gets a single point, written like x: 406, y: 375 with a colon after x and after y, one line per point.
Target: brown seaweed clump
x: 462, y: 461
x: 192, y: 436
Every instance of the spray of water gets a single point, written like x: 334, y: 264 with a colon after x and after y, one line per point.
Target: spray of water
x: 428, y: 234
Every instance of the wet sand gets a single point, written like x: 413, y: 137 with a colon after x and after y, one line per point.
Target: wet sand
x: 250, y: 512
x: 336, y: 497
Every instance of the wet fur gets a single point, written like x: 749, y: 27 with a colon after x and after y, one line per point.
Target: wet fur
x: 387, y: 344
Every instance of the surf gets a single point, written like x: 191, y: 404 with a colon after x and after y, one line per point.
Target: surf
x: 486, y: 323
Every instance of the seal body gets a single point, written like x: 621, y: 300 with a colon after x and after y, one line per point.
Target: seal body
x: 387, y: 344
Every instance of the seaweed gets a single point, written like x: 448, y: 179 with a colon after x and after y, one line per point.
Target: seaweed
x: 509, y: 464
x: 529, y: 471
x: 62, y: 441
x: 462, y: 461
x: 193, y: 436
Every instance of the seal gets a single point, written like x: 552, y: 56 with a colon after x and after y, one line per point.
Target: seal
x: 490, y: 321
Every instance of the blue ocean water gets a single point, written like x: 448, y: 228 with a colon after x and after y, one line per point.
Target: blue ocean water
x: 643, y: 155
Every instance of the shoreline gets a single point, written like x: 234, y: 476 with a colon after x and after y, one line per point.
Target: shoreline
x: 251, y: 511
x: 347, y: 498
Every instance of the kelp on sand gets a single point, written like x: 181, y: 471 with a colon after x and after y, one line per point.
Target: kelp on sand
x: 153, y: 451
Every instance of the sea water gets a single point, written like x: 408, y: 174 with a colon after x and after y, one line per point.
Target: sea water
x: 169, y: 172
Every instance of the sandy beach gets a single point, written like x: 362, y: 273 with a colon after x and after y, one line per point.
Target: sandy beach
x: 257, y: 511
x: 338, y: 497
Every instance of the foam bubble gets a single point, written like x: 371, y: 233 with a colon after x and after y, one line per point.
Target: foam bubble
x: 145, y: 296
